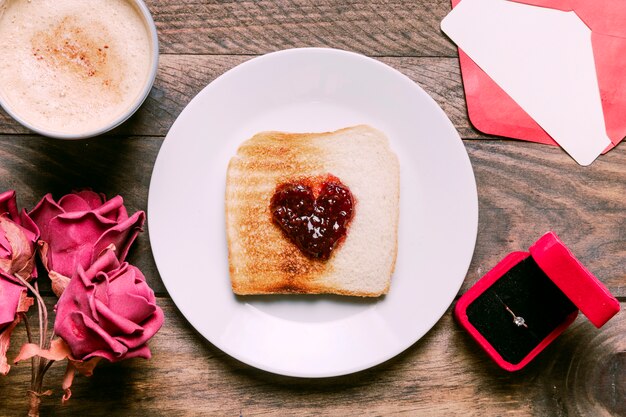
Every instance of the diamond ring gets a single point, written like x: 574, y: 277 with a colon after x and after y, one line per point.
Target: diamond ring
x: 518, y: 320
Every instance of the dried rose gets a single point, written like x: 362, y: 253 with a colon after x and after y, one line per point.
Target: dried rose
x: 18, y: 235
x: 77, y: 228
x: 13, y: 300
x: 108, y: 311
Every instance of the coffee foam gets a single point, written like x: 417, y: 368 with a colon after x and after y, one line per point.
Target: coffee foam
x: 70, y: 66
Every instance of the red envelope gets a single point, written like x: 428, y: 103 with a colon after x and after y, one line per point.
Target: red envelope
x: 492, y: 111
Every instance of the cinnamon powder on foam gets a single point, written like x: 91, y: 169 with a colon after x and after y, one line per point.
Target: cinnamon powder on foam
x: 71, y: 68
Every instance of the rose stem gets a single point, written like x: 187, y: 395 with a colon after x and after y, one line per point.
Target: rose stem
x: 44, y: 312
x: 37, y: 381
x: 41, y: 308
x: 48, y: 365
x: 27, y: 325
x: 43, y: 326
x: 30, y: 340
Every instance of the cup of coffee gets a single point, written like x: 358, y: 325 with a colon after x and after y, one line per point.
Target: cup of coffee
x: 74, y: 69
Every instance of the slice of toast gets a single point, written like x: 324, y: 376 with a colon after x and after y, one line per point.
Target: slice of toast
x: 263, y: 260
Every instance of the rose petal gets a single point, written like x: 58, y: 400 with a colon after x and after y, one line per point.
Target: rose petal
x: 43, y: 212
x: 113, y: 323
x: 43, y: 248
x: 76, y: 296
x: 68, y: 380
x: 67, y: 392
x: 28, y: 270
x: 122, y: 214
x: 122, y: 235
x: 25, y: 302
x: 11, y: 294
x: 93, y: 199
x: 131, y: 306
x: 111, y: 209
x: 5, y: 341
x: 72, y: 239
x: 59, y: 282
x: 5, y: 249
x: 58, y: 351
x: 21, y: 261
x: 13, y: 300
x: 29, y: 227
x: 83, y: 367
x: 8, y: 204
x: 142, y: 351
x: 85, y: 337
x: 150, y: 327
x: 74, y: 203
x: 107, y: 261
x: 99, y: 293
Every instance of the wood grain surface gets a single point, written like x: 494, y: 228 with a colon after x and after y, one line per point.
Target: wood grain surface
x: 444, y: 374
x: 524, y: 189
x: 381, y: 28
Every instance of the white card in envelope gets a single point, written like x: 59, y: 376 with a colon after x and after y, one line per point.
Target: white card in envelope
x: 543, y: 59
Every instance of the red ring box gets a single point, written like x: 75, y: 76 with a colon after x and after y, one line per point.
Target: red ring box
x: 528, y: 299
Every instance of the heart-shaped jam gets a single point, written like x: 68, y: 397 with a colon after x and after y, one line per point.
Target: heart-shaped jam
x: 314, y: 213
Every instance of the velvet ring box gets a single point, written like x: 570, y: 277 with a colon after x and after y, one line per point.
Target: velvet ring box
x: 528, y: 299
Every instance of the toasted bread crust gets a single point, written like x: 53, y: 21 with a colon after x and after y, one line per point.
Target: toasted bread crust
x: 262, y: 260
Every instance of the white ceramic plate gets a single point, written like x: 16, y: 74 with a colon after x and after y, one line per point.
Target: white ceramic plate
x: 306, y: 90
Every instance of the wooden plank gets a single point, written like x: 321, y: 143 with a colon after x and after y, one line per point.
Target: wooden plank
x: 517, y: 202
x: 180, y: 78
x: 582, y: 373
x: 396, y: 27
x: 526, y: 189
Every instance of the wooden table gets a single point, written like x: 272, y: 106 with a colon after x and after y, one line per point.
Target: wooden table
x: 524, y: 190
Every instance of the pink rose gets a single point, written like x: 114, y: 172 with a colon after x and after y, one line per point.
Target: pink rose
x: 77, y: 228
x: 18, y: 235
x: 108, y: 311
x: 13, y: 300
